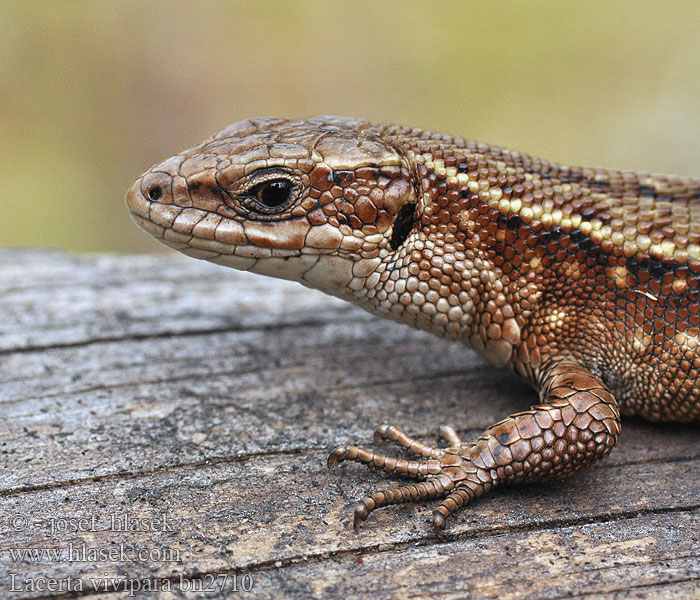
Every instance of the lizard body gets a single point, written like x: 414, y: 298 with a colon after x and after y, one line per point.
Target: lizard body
x: 586, y: 282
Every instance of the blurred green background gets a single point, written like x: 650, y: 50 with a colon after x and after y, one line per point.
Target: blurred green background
x: 92, y: 93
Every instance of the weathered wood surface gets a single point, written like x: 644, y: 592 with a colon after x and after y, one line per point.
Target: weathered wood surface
x: 151, y: 386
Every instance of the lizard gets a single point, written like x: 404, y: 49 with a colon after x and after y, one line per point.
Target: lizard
x: 584, y: 281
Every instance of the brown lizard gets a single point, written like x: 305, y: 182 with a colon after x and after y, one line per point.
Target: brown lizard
x: 586, y: 282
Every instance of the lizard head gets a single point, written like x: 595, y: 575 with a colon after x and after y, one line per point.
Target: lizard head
x: 323, y: 201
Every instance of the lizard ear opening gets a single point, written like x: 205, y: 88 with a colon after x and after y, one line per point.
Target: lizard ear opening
x: 405, y: 219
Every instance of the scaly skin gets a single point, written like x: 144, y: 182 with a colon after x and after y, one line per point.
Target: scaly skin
x: 586, y: 282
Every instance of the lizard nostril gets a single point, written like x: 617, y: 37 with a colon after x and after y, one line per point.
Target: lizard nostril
x: 155, y: 193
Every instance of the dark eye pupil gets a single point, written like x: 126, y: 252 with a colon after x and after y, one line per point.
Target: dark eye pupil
x: 275, y: 193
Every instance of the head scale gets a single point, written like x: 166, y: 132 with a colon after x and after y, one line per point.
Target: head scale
x: 323, y: 201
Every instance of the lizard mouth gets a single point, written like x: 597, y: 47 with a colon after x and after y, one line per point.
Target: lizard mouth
x: 198, y: 233
x: 209, y: 236
x: 190, y: 216
x: 313, y: 267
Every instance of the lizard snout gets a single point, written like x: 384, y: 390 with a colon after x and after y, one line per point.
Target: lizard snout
x: 149, y: 188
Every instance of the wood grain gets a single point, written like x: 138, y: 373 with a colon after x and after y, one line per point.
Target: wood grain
x: 164, y: 388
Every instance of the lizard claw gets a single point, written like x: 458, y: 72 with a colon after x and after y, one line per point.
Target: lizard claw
x: 442, y: 473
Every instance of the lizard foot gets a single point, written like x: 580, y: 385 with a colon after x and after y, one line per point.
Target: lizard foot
x: 444, y: 473
x: 578, y: 425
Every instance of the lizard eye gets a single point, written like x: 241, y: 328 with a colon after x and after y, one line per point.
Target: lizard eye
x: 273, y: 195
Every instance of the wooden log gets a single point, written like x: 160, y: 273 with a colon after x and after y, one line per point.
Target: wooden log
x: 135, y: 389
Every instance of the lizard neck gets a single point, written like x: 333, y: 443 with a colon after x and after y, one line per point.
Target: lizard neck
x: 450, y: 274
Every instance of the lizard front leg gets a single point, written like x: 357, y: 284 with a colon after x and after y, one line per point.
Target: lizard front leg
x: 576, y: 424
